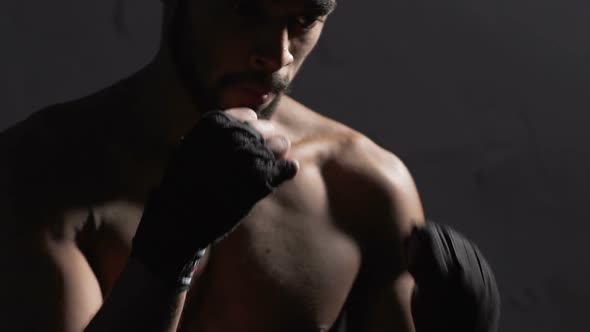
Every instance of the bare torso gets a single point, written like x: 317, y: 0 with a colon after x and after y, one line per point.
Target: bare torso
x: 290, y: 266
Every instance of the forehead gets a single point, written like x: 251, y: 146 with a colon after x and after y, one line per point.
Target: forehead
x: 324, y: 6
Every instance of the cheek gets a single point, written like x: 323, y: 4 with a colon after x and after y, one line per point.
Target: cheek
x: 213, y: 42
x: 226, y: 49
x: 302, y: 47
x: 304, y: 44
x: 208, y: 54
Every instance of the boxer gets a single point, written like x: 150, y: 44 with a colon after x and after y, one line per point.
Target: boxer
x: 196, y: 195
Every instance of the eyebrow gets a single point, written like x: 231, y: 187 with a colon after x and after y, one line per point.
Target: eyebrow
x: 321, y: 7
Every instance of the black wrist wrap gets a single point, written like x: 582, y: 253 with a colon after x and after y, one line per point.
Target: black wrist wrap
x: 455, y: 287
x: 219, y: 171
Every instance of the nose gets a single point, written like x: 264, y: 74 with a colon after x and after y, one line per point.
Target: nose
x: 272, y: 53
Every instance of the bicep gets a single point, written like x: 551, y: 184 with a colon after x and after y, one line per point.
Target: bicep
x: 390, y: 305
x: 387, y: 300
x: 386, y: 308
x: 52, y: 288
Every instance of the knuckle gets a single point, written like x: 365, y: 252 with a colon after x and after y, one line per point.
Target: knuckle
x: 251, y: 113
x: 247, y: 114
x: 257, y: 126
x: 267, y: 126
x: 231, y: 113
x: 285, y: 141
x: 242, y: 114
x: 263, y: 127
x: 279, y: 143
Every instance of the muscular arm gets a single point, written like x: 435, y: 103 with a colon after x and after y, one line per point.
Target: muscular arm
x: 53, y: 280
x: 457, y: 288
x: 46, y: 283
x: 389, y: 208
x: 139, y: 302
x: 51, y: 287
x: 390, y: 309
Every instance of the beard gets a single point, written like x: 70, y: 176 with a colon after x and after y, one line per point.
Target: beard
x: 191, y: 67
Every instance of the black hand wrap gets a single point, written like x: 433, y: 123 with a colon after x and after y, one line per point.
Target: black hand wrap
x: 219, y: 171
x: 455, y: 287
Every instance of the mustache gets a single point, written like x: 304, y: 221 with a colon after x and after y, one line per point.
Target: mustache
x: 274, y: 82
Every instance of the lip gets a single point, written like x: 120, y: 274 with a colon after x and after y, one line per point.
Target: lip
x: 248, y: 95
x: 255, y: 88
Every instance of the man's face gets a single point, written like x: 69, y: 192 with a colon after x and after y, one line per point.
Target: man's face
x: 244, y: 53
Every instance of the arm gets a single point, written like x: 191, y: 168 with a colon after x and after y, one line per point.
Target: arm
x: 184, y: 214
x: 388, y: 303
x: 52, y: 288
x: 451, y: 286
x: 147, y: 303
x: 46, y: 284
x: 385, y: 216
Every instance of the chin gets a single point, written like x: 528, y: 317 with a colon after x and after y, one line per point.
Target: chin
x: 267, y: 111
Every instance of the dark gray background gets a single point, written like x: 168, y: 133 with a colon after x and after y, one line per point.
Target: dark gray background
x: 485, y: 100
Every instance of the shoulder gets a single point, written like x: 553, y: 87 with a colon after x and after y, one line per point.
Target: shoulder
x: 378, y: 182
x: 54, y: 269
x: 354, y: 158
x: 37, y: 167
x: 373, y: 194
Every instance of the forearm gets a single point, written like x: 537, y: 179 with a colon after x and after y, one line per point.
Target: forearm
x: 385, y: 309
x: 139, y: 302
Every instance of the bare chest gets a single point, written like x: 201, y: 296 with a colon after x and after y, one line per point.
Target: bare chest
x: 289, y: 266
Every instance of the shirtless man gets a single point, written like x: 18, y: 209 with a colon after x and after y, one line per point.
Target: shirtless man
x: 103, y: 211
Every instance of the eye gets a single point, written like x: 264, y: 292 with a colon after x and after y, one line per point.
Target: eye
x: 306, y: 22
